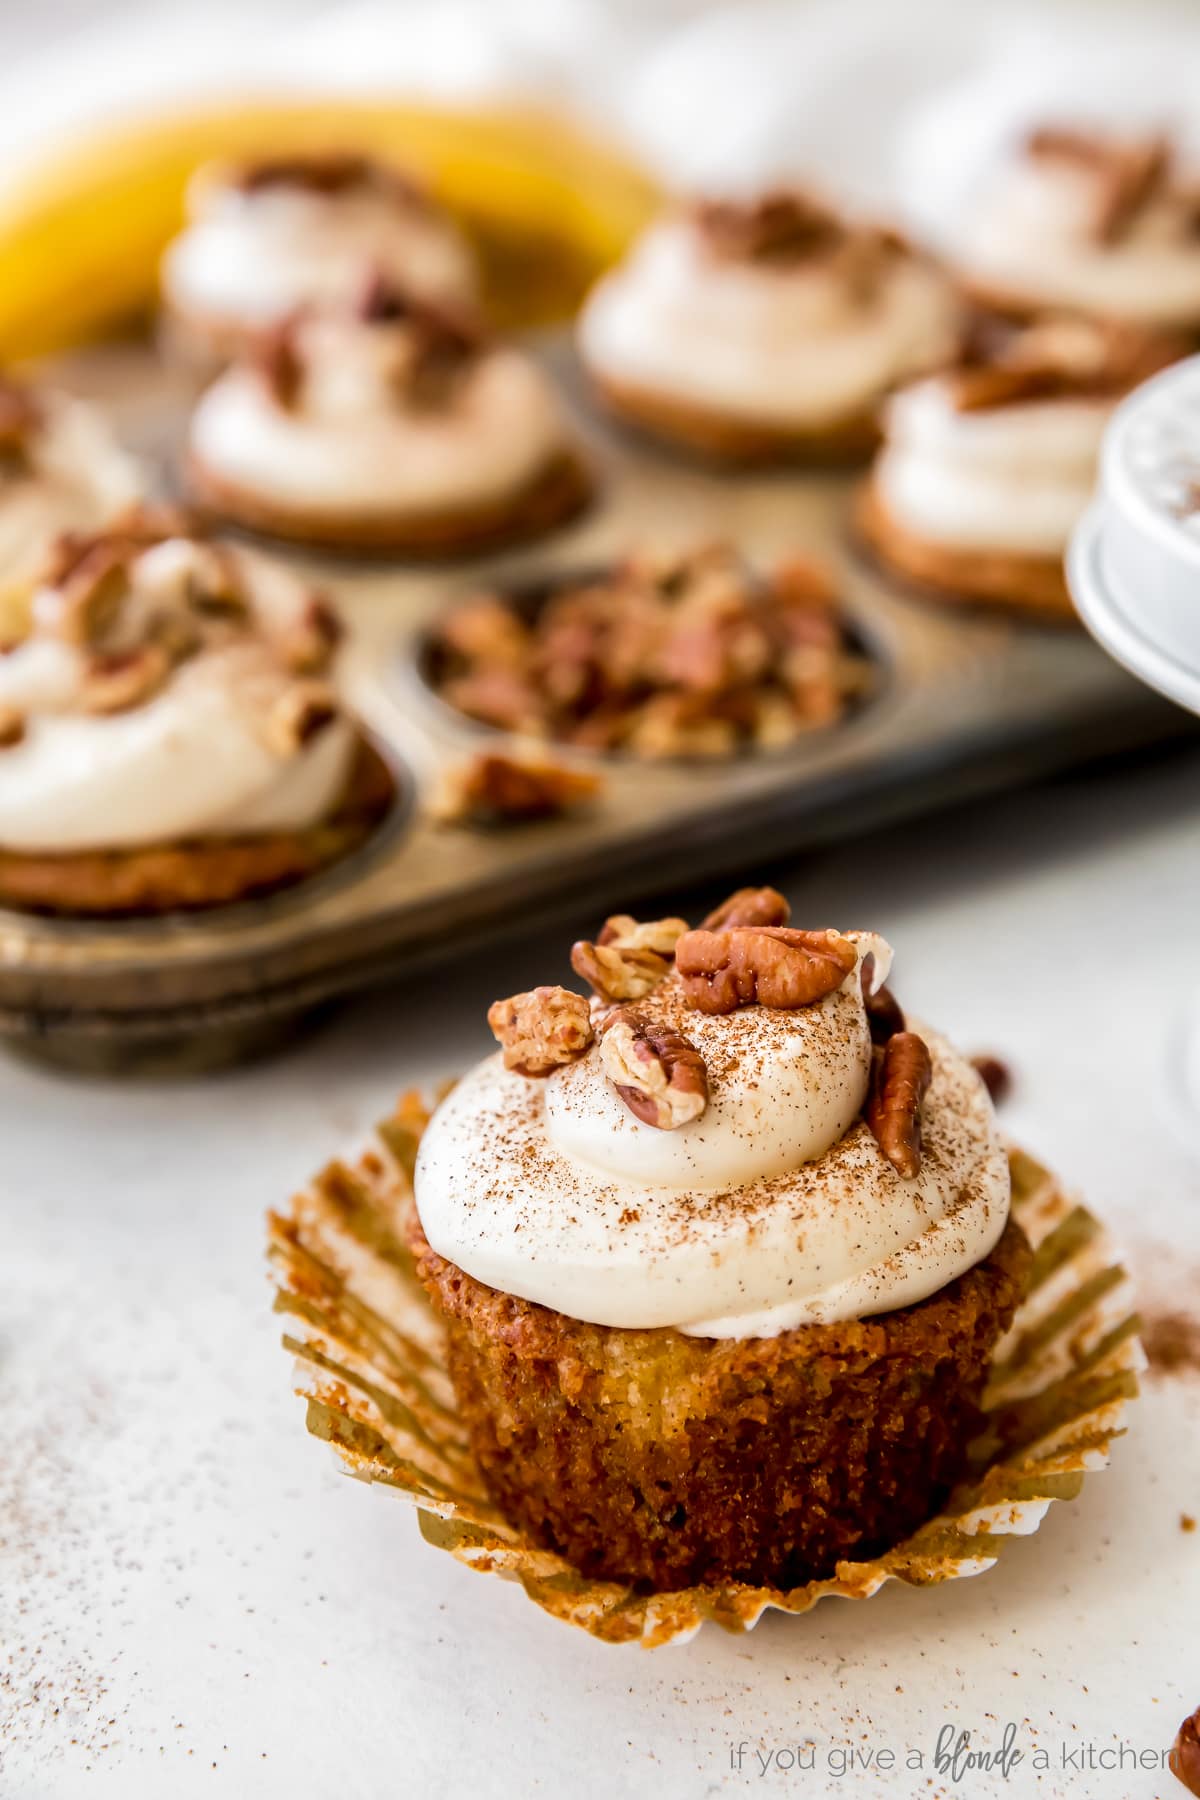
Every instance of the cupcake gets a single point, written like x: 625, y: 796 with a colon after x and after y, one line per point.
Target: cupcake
x: 60, y: 470
x: 689, y: 654
x: 170, y: 738
x: 393, y: 426
x: 267, y: 236
x: 763, y: 329
x: 722, y: 1253
x: 1089, y: 222
x: 987, y: 467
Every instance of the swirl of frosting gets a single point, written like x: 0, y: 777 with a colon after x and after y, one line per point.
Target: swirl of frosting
x: 775, y: 1208
x: 214, y: 747
x: 1096, y: 224
x: 797, y: 342
x: 355, y: 430
x: 1001, y: 452
x: 60, y: 470
x: 264, y: 240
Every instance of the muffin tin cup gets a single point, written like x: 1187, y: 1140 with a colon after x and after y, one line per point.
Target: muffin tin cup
x: 965, y: 702
x: 370, y: 1364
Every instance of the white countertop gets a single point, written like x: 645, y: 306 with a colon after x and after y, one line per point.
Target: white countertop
x: 193, y: 1599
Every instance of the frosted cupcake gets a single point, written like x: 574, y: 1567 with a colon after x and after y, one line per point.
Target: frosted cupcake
x: 987, y: 467
x: 169, y: 736
x: 266, y: 237
x: 394, y: 426
x: 60, y: 470
x: 1097, y: 224
x: 764, y: 329
x: 722, y: 1254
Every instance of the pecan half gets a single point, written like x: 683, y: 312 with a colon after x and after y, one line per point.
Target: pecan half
x: 125, y: 679
x: 884, y: 1015
x: 12, y: 727
x: 299, y: 715
x: 774, y: 966
x: 900, y: 1079
x: 618, y: 974
x: 659, y: 1075
x: 749, y: 906
x: 623, y: 932
x: 541, y: 1030
x: 1184, y: 1760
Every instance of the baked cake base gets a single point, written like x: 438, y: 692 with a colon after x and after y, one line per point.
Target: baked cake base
x: 724, y: 437
x: 1033, y: 585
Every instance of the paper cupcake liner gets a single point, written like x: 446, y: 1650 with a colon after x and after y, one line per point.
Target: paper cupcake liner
x: 370, y: 1363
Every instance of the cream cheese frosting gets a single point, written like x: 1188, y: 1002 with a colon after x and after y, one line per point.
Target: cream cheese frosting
x: 775, y: 1208
x: 351, y: 443
x: 250, y: 256
x: 72, y: 476
x: 788, y: 345
x: 1032, y: 234
x: 191, y: 761
x: 1016, y: 478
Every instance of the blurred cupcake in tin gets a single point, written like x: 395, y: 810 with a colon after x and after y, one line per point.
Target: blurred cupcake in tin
x: 1090, y: 222
x: 393, y: 425
x: 764, y: 329
x: 60, y: 470
x: 169, y: 734
x: 987, y: 467
x: 267, y: 236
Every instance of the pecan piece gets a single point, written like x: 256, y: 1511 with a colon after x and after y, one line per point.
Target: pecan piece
x: 659, y: 1075
x: 306, y: 645
x: 900, y: 1079
x: 618, y: 974
x: 125, y: 679
x: 301, y: 712
x: 995, y: 1075
x: 767, y: 965
x: 623, y: 932
x: 493, y: 789
x: 12, y: 727
x: 1184, y: 1760
x: 541, y: 1030
x: 91, y: 593
x: 749, y: 906
x: 884, y: 1014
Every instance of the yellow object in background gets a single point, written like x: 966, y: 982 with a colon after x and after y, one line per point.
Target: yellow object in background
x: 81, y: 233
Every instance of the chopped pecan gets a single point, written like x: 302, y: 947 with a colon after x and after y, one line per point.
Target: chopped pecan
x: 787, y: 226
x: 92, y: 591
x: 491, y: 789
x: 1184, y: 1759
x: 618, y: 974
x: 774, y: 966
x: 623, y: 932
x: 12, y: 727
x: 307, y: 643
x: 900, y: 1077
x: 659, y: 1075
x: 541, y: 1030
x: 1129, y: 174
x: 749, y: 906
x: 884, y: 1015
x: 995, y: 1075
x: 280, y: 363
x: 301, y: 712
x: 125, y: 678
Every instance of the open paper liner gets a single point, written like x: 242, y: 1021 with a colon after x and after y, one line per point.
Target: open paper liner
x: 371, y: 1365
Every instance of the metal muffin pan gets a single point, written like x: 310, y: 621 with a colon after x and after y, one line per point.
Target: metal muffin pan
x: 966, y: 702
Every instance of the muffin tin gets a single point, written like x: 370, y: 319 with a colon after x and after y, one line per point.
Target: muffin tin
x: 965, y: 702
